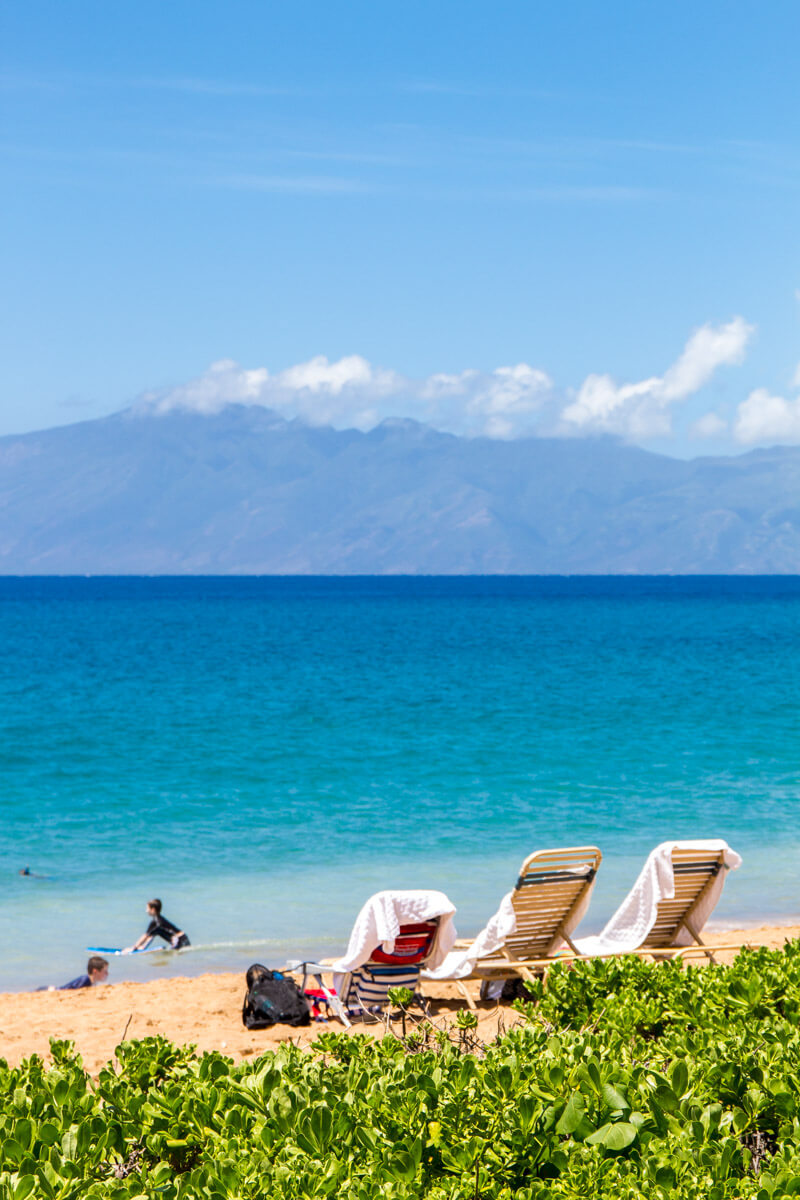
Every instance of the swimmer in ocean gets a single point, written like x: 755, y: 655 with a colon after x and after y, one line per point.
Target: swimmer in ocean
x: 159, y: 927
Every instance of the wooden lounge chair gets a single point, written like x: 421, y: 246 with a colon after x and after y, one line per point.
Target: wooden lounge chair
x: 695, y: 873
x: 650, y: 923
x: 548, y: 900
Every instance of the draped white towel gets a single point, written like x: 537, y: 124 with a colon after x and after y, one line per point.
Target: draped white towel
x: 380, y: 919
x: 636, y: 916
x: 498, y: 929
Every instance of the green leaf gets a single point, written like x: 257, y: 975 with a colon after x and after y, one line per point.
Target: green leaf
x: 613, y: 1098
x: 679, y: 1077
x: 615, y: 1136
x: 48, y: 1133
x: 740, y: 1120
x: 12, y: 1151
x: 572, y: 1115
x: 711, y: 1117
x: 666, y: 1099
x: 69, y: 1142
x: 404, y: 1166
x: 23, y: 1133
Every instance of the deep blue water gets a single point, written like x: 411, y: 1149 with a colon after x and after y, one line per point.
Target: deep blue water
x: 264, y: 753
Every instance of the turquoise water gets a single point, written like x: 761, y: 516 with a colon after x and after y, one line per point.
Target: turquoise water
x: 264, y: 753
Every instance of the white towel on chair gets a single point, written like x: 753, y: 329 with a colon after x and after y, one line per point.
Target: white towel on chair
x: 498, y: 929
x: 636, y: 916
x: 380, y: 919
x: 461, y: 963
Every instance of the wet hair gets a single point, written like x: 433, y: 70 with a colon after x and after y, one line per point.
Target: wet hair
x: 156, y: 904
x: 96, y: 964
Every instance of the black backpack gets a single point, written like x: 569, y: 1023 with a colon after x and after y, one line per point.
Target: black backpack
x: 273, y: 999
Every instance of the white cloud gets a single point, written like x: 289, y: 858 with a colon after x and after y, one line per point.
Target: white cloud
x: 508, y: 398
x: 319, y: 375
x: 642, y: 410
x: 507, y: 402
x: 318, y: 391
x: 351, y: 392
x: 765, y: 418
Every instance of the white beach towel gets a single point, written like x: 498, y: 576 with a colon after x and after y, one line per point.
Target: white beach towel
x: 461, y: 963
x: 380, y: 919
x: 636, y: 916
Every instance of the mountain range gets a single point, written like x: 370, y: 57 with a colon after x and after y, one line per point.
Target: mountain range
x: 244, y: 491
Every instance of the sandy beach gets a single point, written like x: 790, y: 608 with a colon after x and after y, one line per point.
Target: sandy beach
x: 206, y: 1011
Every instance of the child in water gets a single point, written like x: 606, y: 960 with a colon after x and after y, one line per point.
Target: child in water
x: 159, y: 927
x: 96, y: 972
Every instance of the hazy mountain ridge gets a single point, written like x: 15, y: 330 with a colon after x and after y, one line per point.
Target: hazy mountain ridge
x: 245, y: 491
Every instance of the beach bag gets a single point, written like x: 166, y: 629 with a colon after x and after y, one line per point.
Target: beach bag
x: 273, y: 999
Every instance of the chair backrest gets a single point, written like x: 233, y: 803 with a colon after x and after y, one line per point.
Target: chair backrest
x: 551, y: 885
x: 412, y: 946
x: 694, y: 872
x: 370, y: 983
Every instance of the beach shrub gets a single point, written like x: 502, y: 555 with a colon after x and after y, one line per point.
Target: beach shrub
x: 623, y: 1079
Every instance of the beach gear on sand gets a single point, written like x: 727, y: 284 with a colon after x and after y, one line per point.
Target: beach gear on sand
x: 273, y: 999
x: 668, y: 905
x: 393, y: 935
x: 533, y: 922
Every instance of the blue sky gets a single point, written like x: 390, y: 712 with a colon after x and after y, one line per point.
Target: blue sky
x: 506, y: 219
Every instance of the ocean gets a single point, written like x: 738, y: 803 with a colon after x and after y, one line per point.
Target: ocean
x: 263, y: 753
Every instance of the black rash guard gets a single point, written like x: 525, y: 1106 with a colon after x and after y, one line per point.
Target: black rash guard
x: 161, y: 927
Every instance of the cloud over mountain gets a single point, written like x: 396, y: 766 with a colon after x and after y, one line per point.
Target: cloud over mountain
x: 763, y: 417
x: 641, y: 410
x: 506, y: 402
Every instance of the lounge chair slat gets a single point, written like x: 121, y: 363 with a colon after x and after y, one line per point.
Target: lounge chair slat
x: 549, y: 887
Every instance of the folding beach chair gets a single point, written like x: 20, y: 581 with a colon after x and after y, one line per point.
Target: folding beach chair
x: 395, y: 933
x: 548, y: 900
x: 367, y: 987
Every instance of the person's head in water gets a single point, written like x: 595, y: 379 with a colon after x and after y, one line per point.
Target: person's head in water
x: 154, y: 908
x: 97, y: 969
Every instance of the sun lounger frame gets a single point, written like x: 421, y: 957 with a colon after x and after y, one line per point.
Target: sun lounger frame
x: 550, y: 886
x: 694, y: 873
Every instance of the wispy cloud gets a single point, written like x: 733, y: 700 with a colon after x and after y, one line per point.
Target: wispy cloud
x: 309, y: 185
x: 441, y: 87
x: 208, y: 87
x: 579, y: 192
x: 59, y: 81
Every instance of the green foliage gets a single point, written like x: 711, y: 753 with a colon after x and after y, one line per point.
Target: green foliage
x: 626, y: 1079
x: 400, y: 997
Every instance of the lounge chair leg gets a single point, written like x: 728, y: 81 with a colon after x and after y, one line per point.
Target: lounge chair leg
x: 462, y: 988
x: 708, y: 953
x: 527, y: 975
